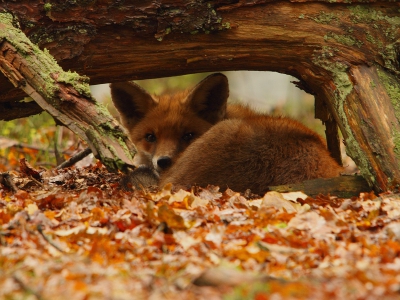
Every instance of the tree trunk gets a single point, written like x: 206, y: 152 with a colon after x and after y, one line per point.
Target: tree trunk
x: 346, y: 54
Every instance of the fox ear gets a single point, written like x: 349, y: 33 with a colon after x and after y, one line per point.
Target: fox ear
x: 131, y: 101
x: 208, y: 98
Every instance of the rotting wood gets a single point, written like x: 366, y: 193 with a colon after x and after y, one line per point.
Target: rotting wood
x: 324, y: 44
x: 64, y: 95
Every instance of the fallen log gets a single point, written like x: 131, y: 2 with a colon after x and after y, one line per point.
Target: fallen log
x: 65, y: 95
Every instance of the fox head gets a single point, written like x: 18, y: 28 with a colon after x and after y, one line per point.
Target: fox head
x: 162, y: 127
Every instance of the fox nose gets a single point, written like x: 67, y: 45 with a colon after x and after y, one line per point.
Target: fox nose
x: 164, y: 162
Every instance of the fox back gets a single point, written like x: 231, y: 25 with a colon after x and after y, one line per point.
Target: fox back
x: 253, y: 153
x: 195, y: 138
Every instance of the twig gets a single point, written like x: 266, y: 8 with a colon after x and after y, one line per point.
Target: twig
x: 26, y: 288
x: 40, y: 229
x: 7, y: 180
x: 74, y: 159
x: 36, y: 181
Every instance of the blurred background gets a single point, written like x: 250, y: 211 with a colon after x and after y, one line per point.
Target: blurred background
x: 40, y: 141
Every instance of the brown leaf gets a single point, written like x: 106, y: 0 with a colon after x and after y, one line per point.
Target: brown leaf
x: 28, y: 170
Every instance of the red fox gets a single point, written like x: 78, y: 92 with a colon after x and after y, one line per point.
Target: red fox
x: 195, y: 137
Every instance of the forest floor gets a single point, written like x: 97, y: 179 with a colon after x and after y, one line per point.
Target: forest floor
x: 77, y: 234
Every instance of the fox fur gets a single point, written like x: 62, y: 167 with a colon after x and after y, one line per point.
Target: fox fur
x: 195, y: 137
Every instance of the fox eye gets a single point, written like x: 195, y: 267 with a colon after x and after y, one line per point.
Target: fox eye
x: 188, y: 136
x: 151, y: 138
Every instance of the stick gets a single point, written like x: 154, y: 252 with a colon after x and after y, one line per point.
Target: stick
x: 74, y: 159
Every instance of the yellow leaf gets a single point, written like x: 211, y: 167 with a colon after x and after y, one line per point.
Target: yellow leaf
x: 32, y: 208
x: 169, y: 216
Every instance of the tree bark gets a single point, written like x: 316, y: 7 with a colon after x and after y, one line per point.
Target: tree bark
x: 346, y: 54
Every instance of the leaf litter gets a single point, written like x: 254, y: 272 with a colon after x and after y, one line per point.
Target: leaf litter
x: 77, y: 234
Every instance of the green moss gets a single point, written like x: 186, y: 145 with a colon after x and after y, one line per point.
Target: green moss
x: 12, y: 28
x: 47, y: 7
x: 6, y: 18
x: 325, y: 18
x: 301, y: 16
x: 49, y: 56
x: 80, y: 83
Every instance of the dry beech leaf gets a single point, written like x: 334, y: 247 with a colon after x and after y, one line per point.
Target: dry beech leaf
x: 276, y: 200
